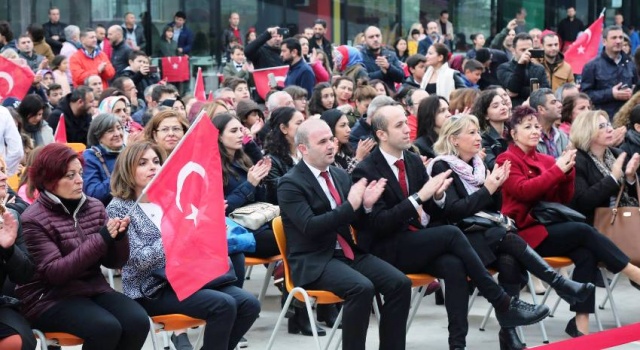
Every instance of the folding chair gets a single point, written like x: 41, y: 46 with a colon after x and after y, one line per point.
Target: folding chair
x: 172, y: 322
x: 320, y: 296
x: 56, y: 339
x: 14, y: 182
x: 271, y: 264
x: 76, y: 146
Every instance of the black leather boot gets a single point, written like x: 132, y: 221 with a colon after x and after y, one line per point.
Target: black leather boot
x: 520, y: 313
x: 327, y: 313
x: 299, y: 323
x: 509, y: 339
x: 572, y: 292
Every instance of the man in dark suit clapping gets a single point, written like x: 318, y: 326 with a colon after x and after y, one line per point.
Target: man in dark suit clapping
x: 318, y: 202
x: 401, y: 230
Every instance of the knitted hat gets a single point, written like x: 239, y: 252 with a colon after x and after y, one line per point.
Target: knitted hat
x: 245, y: 106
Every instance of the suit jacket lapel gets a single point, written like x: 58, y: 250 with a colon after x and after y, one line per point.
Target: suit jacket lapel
x: 386, y: 172
x: 412, y: 173
x: 308, y: 176
x: 338, y: 185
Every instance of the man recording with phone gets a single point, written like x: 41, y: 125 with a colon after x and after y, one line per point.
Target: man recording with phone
x: 516, y: 75
x: 264, y: 52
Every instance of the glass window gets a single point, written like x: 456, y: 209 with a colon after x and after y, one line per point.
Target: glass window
x: 379, y: 13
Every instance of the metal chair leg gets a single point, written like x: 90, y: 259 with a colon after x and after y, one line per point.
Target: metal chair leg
x: 543, y: 329
x: 265, y: 282
x: 472, y: 300
x: 614, y: 309
x: 416, y: 300
x: 41, y: 338
x: 614, y: 282
x: 247, y: 274
x: 307, y: 302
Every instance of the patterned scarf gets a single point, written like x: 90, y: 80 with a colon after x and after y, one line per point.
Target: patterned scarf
x: 609, y: 159
x: 472, y: 176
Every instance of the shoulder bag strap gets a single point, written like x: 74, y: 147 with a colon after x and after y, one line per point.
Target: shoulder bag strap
x: 101, y: 159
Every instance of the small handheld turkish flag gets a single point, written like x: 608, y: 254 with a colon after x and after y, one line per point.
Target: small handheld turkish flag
x: 15, y: 80
x: 261, y: 78
x: 586, y: 46
x: 198, y: 89
x: 61, y: 131
x: 188, y: 188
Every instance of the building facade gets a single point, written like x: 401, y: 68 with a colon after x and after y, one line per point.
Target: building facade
x: 346, y: 18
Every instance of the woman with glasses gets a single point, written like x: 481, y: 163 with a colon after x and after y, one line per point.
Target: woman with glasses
x: 537, y: 177
x: 166, y: 129
x: 105, y: 141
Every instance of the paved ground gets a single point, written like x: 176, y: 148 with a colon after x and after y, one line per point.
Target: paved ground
x: 429, y: 330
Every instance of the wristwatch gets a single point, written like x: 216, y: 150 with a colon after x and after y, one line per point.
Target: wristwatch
x: 416, y: 198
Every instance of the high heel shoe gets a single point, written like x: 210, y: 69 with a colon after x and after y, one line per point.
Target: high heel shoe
x: 570, y: 291
x: 572, y: 329
x: 509, y: 339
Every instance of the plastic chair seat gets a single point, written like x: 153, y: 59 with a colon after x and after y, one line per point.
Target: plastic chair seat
x: 64, y: 339
x: 251, y: 261
x: 420, y: 279
x: 558, y: 261
x: 174, y: 322
x: 14, y: 182
x: 76, y: 146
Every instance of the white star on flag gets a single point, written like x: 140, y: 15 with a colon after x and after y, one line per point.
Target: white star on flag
x: 194, y: 215
x: 581, y: 50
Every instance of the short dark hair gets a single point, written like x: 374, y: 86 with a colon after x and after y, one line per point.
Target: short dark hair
x: 414, y: 60
x: 444, y: 12
x: 100, y: 25
x: 181, y: 14
x: 5, y: 30
x: 53, y: 87
x: 517, y: 115
x: 233, y: 82
x: 119, y: 83
x: 84, y: 32
x: 481, y: 105
x: 159, y: 90
x: 473, y: 65
x: 569, y: 103
x: 53, y: 8
x: 127, y: 14
x: 521, y: 37
x: 80, y: 93
x: 442, y: 50
x: 135, y: 54
x: 30, y: 106
x: 293, y: 44
x: 539, y: 97
x: 607, y: 29
x: 321, y: 22
x: 36, y: 31
x: 483, y: 55
x: 236, y: 47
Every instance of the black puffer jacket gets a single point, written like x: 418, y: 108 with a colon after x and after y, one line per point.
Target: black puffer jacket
x: 263, y: 55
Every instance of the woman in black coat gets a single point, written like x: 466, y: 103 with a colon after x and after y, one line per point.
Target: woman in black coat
x: 600, y: 168
x: 474, y: 190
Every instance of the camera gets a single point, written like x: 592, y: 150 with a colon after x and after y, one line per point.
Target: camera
x: 536, y: 53
x: 283, y: 31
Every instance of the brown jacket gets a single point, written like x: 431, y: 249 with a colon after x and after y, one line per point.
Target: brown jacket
x: 562, y: 73
x: 42, y: 48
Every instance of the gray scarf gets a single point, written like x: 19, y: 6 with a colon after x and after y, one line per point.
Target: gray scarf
x: 609, y: 159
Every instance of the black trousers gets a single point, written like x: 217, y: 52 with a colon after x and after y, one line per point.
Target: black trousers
x: 229, y: 312
x: 356, y: 281
x: 109, y: 321
x: 586, y: 247
x: 266, y: 245
x: 445, y: 252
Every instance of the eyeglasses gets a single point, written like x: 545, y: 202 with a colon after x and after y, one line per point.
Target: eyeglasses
x: 176, y: 130
x: 604, y: 125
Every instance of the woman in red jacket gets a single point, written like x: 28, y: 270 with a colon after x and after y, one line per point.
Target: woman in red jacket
x: 69, y: 236
x: 537, y: 177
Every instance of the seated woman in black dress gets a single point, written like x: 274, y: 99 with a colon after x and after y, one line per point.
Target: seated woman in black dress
x: 475, y: 190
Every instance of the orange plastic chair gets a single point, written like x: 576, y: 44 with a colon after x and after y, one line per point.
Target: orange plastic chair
x: 56, y: 339
x: 76, y: 146
x: 320, y: 296
x: 271, y: 264
x: 172, y: 322
x: 14, y: 182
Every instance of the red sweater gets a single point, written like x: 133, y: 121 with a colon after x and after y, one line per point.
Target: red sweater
x: 534, y: 177
x: 82, y: 67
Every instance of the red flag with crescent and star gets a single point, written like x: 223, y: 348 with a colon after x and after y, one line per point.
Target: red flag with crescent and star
x: 261, y: 78
x: 15, y: 80
x: 188, y: 188
x: 586, y: 46
x: 60, y: 135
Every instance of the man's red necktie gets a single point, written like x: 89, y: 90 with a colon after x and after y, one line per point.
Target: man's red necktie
x: 402, y: 179
x: 346, y: 248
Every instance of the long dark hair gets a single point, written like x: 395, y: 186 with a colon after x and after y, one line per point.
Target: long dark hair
x: 276, y: 142
x: 427, y: 111
x: 315, y: 102
x: 481, y: 106
x: 239, y: 157
x: 332, y: 116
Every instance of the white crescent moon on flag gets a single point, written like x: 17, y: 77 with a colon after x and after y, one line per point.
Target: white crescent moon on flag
x: 6, y: 76
x: 588, y: 33
x: 187, y: 169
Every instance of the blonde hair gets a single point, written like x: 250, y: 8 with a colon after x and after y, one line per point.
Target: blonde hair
x: 123, y: 179
x: 622, y: 117
x: 453, y: 126
x: 585, y: 128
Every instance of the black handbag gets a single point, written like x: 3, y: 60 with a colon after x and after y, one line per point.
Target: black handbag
x: 227, y: 278
x: 483, y: 220
x: 548, y: 213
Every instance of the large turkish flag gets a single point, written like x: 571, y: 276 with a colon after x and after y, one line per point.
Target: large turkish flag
x: 586, y: 46
x: 188, y: 188
x: 15, y: 80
